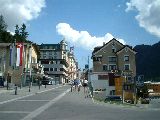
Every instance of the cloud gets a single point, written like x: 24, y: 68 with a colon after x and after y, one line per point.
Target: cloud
x: 82, y: 38
x: 20, y: 11
x: 148, y: 14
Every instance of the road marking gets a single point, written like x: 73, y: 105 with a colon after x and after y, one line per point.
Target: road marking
x: 11, y: 100
x: 15, y: 112
x: 34, y: 100
x: 41, y: 109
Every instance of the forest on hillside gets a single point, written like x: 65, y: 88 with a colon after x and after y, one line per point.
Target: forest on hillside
x: 148, y: 61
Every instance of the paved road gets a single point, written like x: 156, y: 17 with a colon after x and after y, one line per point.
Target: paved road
x: 61, y: 104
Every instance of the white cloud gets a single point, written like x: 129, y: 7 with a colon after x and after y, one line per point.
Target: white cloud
x: 82, y: 38
x: 20, y: 11
x: 148, y: 14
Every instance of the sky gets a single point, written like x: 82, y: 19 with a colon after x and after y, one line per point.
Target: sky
x: 85, y: 24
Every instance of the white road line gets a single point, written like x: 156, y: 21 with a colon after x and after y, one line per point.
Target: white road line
x: 11, y: 100
x: 15, y: 112
x: 34, y: 100
x: 44, y: 107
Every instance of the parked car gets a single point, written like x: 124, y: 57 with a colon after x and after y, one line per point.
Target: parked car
x: 113, y: 98
x: 47, y: 82
x: 145, y: 100
x: 129, y: 101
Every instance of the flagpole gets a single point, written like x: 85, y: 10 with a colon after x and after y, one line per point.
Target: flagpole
x: 22, y: 67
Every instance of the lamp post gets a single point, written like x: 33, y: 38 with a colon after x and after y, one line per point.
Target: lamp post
x: 7, y: 80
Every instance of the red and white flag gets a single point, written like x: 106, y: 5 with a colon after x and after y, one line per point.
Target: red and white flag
x: 19, y: 54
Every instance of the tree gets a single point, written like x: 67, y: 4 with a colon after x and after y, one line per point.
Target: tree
x: 17, y: 34
x: 3, y: 28
x: 21, y: 34
x: 3, y: 25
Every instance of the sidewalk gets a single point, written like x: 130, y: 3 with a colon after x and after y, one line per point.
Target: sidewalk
x: 9, y: 95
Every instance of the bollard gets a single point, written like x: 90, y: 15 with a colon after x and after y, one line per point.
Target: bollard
x: 29, y: 88
x: 45, y: 85
x: 71, y: 88
x: 15, y: 89
x: 39, y: 86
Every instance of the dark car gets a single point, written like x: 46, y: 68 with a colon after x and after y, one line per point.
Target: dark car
x: 45, y: 82
x: 113, y: 98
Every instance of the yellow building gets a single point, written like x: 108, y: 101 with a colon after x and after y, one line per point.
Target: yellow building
x: 14, y: 74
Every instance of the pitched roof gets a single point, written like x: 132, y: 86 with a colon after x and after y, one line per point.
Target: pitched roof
x: 130, y: 47
x: 99, y: 47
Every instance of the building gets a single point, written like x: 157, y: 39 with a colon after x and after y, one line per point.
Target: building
x: 14, y: 73
x: 73, y: 67
x: 114, y: 59
x: 58, y: 61
x: 153, y: 88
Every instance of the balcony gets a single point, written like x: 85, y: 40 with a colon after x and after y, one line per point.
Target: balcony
x: 57, y: 72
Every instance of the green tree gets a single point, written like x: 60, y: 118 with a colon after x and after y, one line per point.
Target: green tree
x: 17, y: 35
x: 4, y: 35
x: 21, y: 34
x: 3, y: 28
x: 3, y: 25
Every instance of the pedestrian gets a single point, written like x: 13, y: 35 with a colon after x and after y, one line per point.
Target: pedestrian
x: 85, y: 84
x: 72, y: 85
x: 76, y: 84
x: 79, y: 86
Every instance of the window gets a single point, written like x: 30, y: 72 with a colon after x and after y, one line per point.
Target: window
x: 61, y: 69
x: 112, y: 92
x: 112, y: 59
x: 45, y: 62
x: 112, y: 67
x: 126, y: 58
x: 105, y: 67
x: 44, y: 57
x: 50, y: 57
x: 97, y: 59
x: 126, y: 67
x: 113, y: 50
x: 113, y: 47
x: 55, y: 56
x: 51, y: 69
x: 50, y: 53
x: 55, y: 69
x: 55, y: 53
x: 46, y: 69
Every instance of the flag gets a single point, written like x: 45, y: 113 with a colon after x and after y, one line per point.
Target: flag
x: 72, y: 49
x: 12, y: 54
x: 19, y: 54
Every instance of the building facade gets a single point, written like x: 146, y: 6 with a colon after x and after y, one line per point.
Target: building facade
x: 21, y: 74
x: 111, y: 62
x: 115, y: 57
x: 58, y: 62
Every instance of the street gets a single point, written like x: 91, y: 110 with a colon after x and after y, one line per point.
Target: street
x: 61, y: 104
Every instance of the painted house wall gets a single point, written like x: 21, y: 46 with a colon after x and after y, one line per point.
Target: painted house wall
x: 106, y: 52
x: 131, y: 62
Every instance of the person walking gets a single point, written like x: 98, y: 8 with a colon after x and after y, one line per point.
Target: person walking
x: 85, y: 85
